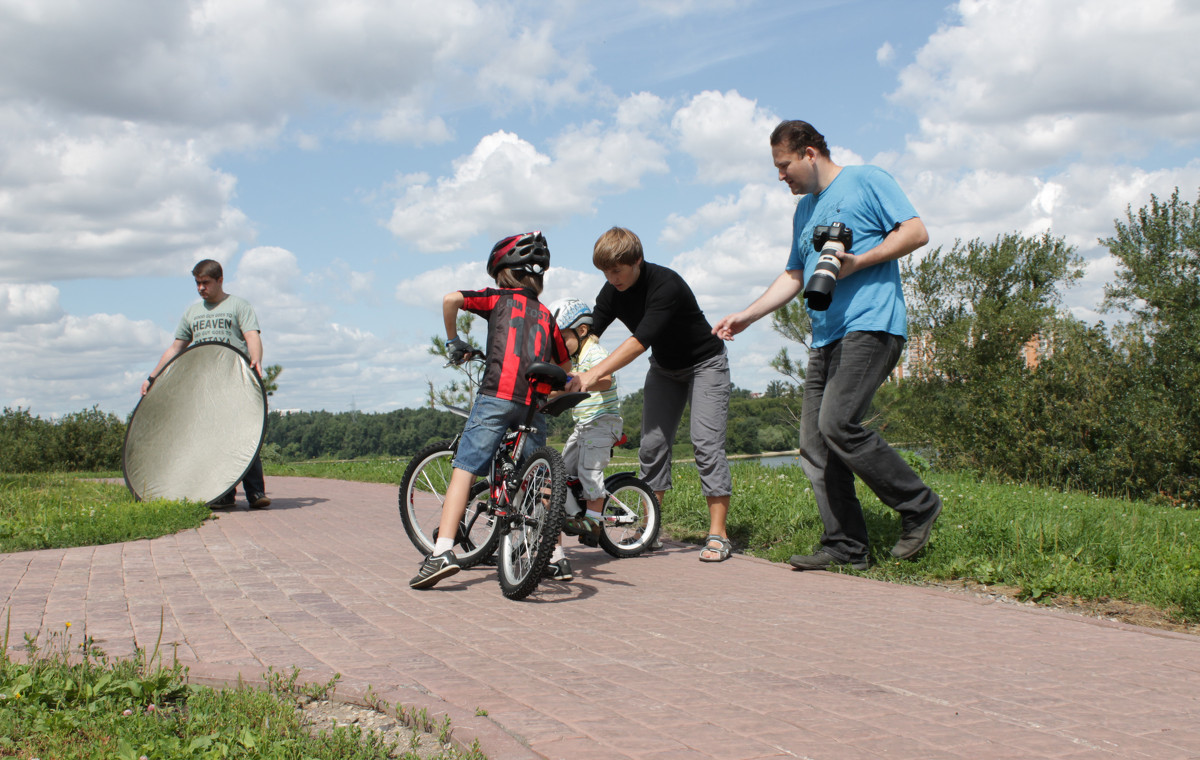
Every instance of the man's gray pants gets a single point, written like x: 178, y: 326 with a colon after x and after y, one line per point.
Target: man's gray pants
x: 840, y: 382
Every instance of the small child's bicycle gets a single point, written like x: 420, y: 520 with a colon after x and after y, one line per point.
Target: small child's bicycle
x: 519, y: 504
x: 631, y: 514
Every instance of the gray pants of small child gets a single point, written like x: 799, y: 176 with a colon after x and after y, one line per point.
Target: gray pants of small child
x: 588, y: 451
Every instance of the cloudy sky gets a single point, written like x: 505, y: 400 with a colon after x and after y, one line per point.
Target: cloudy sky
x: 350, y: 161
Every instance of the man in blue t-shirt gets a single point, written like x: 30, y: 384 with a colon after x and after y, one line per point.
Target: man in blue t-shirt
x: 856, y: 343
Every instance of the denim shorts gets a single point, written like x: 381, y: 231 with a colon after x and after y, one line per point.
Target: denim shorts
x: 490, y: 419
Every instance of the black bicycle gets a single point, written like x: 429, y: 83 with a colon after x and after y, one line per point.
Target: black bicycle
x: 517, y: 506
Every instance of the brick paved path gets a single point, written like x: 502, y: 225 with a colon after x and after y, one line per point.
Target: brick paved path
x: 656, y: 657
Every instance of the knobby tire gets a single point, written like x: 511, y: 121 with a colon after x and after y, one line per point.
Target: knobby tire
x: 534, y: 524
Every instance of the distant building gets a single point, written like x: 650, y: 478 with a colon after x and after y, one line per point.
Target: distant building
x: 919, y: 353
x: 1036, y: 348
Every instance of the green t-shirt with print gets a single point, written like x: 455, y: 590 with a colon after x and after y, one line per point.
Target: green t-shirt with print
x: 225, y: 322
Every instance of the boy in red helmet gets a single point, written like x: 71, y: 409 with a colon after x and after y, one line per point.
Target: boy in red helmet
x: 521, y: 331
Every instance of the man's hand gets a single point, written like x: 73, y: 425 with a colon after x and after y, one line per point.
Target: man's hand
x: 849, y: 264
x: 730, y: 325
x: 145, y: 386
x: 580, y: 383
x: 458, y: 351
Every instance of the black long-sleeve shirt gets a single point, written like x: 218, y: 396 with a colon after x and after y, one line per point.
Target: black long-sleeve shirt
x: 660, y: 310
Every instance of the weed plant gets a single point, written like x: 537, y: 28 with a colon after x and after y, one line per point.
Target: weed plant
x: 46, y: 510
x: 1041, y: 541
x: 71, y: 701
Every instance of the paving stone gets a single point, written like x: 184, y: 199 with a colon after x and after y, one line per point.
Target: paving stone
x: 657, y: 657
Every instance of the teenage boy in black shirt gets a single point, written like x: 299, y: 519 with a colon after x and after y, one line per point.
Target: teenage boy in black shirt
x: 687, y: 364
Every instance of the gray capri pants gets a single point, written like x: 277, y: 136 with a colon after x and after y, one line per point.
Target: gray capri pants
x: 706, y: 385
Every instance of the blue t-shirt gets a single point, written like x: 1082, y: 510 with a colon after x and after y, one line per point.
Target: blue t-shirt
x: 868, y: 201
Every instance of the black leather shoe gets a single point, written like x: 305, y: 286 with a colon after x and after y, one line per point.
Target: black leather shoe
x: 916, y: 535
x: 823, y: 560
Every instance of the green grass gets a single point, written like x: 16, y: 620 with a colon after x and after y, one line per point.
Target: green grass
x: 1041, y: 541
x: 361, y: 470
x: 70, y: 701
x: 53, y: 510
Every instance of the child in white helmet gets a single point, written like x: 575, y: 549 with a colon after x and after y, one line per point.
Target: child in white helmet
x: 598, y: 424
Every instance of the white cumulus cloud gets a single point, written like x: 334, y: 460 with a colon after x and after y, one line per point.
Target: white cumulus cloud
x: 507, y: 183
x: 726, y: 135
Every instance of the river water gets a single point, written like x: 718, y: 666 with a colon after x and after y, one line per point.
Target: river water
x: 777, y: 460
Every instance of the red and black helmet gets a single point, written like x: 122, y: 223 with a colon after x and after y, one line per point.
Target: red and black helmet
x: 527, y: 251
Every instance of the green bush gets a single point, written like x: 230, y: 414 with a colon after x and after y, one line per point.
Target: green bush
x: 90, y: 440
x: 1106, y: 411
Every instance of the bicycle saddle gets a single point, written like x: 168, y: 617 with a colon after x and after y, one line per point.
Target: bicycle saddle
x: 551, y: 374
x: 560, y: 404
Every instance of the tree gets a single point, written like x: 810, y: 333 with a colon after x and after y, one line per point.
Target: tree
x: 780, y: 389
x: 792, y: 322
x: 1158, y: 286
x: 271, y: 375
x: 980, y: 303
x: 459, y: 392
x: 977, y: 307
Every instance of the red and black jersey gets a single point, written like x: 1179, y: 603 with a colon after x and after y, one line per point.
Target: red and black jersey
x: 521, y: 331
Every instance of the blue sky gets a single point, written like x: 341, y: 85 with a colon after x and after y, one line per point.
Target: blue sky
x: 350, y: 162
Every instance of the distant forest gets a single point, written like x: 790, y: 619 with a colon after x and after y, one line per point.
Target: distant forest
x: 755, y: 425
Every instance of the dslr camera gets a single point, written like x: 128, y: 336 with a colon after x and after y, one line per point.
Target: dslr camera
x: 828, y: 239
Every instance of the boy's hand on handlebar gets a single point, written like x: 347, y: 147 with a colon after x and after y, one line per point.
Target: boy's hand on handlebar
x: 458, y: 350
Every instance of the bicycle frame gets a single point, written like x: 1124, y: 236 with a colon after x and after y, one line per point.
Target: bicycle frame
x: 507, y: 459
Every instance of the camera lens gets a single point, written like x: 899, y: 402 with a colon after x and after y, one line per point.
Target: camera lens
x: 819, y: 290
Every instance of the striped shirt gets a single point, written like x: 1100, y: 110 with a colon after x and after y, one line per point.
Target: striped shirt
x: 600, y: 402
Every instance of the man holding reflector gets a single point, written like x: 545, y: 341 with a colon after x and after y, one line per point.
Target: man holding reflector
x: 220, y: 318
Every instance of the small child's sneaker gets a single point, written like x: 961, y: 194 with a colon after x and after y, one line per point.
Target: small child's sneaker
x: 434, y: 568
x: 560, y: 571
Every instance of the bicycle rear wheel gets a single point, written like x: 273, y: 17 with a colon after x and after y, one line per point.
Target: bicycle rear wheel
x: 422, y: 493
x: 533, y: 525
x: 632, y: 516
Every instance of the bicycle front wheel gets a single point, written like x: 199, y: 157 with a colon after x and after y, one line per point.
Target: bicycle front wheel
x: 533, y: 525
x: 632, y: 516
x: 422, y: 493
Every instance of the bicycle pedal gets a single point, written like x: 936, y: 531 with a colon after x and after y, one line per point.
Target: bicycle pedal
x: 588, y: 539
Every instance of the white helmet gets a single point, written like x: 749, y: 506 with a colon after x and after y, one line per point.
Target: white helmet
x: 570, y: 313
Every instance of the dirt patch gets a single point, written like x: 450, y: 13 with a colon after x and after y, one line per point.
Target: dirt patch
x: 319, y: 715
x: 1116, y: 610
